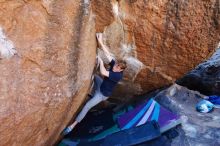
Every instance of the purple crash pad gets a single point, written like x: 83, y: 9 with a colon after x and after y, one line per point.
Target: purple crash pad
x: 148, y: 111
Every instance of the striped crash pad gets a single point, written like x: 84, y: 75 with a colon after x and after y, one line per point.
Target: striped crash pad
x: 148, y: 111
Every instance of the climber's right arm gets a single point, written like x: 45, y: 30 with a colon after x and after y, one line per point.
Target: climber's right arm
x: 104, y: 48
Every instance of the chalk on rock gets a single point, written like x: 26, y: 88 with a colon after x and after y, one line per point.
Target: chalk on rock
x: 7, y: 49
x: 218, y: 45
x: 172, y: 91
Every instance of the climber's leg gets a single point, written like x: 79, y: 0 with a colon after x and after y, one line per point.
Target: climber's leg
x: 98, y: 97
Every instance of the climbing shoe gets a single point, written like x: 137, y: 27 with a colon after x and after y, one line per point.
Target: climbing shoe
x: 67, y: 130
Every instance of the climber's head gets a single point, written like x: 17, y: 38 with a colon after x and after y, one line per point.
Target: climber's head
x: 119, y: 66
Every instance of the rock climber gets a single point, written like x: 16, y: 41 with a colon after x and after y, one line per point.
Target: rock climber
x: 103, y: 86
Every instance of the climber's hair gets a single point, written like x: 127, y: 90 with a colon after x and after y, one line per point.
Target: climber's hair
x: 122, y: 64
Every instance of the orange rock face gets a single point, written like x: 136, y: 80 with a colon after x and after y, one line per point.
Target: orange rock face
x: 44, y: 84
x: 161, y: 40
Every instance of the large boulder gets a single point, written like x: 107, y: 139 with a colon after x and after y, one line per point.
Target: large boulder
x: 160, y: 40
x: 205, y: 77
x: 47, y: 79
x: 48, y: 48
x: 199, y: 129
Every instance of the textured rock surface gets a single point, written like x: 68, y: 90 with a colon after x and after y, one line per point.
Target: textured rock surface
x: 45, y: 83
x: 205, y: 77
x: 199, y: 129
x: 161, y: 40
